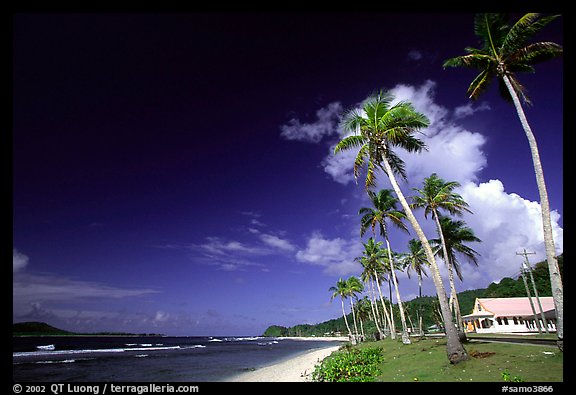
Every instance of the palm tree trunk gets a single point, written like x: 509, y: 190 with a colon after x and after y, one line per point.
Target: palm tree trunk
x: 419, y: 305
x: 346, y: 321
x: 375, y: 309
x: 405, y: 335
x: 453, y: 294
x: 454, y: 348
x: 354, y: 319
x: 389, y: 318
x: 555, y: 279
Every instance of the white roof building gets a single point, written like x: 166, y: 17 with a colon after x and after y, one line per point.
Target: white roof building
x: 504, y: 315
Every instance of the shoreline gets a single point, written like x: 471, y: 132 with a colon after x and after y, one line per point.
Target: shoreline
x: 296, y: 369
x: 317, y: 338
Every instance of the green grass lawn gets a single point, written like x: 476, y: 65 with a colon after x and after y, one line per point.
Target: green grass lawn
x: 425, y: 361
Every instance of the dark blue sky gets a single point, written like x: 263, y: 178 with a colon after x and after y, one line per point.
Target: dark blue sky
x: 172, y: 172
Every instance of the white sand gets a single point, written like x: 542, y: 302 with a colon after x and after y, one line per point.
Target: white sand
x: 299, y: 368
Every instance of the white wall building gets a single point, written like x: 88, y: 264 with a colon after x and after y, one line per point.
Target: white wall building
x: 506, y: 315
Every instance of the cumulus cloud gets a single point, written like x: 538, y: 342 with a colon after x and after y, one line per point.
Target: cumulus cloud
x: 340, y: 166
x: 19, y: 261
x: 506, y: 223
x: 336, y: 255
x: 327, y: 119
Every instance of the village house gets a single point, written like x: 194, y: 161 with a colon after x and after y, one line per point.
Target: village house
x: 510, y: 315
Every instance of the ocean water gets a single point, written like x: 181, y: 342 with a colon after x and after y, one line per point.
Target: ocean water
x: 148, y: 359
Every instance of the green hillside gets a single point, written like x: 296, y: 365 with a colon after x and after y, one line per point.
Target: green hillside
x: 36, y: 329
x: 44, y: 329
x: 428, y: 306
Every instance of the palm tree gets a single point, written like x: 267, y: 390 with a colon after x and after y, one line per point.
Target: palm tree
x: 376, y: 129
x: 341, y: 289
x: 385, y: 209
x: 455, y: 233
x: 505, y: 51
x: 437, y: 194
x: 415, y: 259
x: 353, y: 287
x: 363, y: 310
x: 390, y: 265
x: 371, y: 261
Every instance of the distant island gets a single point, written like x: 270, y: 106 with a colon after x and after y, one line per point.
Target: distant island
x: 43, y: 329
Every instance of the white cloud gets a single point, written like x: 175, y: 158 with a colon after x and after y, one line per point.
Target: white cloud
x: 325, y: 125
x: 415, y: 55
x: 506, y: 223
x: 454, y: 153
x: 422, y: 98
x: 276, y: 242
x: 340, y: 166
x: 161, y: 316
x: 19, y: 261
x: 469, y: 109
x: 32, y: 290
x: 217, y: 246
x: 336, y: 256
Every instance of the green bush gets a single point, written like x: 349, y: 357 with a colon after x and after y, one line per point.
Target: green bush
x: 350, y: 365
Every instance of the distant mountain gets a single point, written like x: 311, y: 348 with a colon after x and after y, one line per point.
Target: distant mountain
x: 36, y: 329
x: 427, y: 306
x: 43, y: 329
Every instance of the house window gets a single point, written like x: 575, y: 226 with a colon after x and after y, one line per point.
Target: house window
x: 505, y: 321
x: 499, y: 321
x: 515, y: 321
x: 479, y: 307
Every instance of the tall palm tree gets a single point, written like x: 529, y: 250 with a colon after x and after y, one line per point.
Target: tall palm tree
x: 363, y: 310
x: 435, y: 195
x: 375, y: 130
x: 341, y: 290
x: 505, y: 51
x: 391, y: 265
x: 455, y: 234
x: 353, y: 287
x: 415, y: 259
x: 371, y: 261
x: 366, y: 276
x: 384, y: 209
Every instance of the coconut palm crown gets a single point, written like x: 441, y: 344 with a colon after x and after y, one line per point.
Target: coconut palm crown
x: 377, y: 128
x: 505, y: 51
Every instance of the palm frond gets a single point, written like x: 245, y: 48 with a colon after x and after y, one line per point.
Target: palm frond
x: 492, y: 30
x: 370, y: 175
x: 477, y: 60
x: 535, y: 53
x: 396, y: 163
x: 350, y: 142
x: 481, y: 83
x: 525, y: 28
x: 518, y: 88
x: 360, y: 160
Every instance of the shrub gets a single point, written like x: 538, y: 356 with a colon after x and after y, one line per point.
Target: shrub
x: 351, y: 365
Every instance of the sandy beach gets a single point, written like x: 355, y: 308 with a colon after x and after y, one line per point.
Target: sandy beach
x: 297, y: 369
